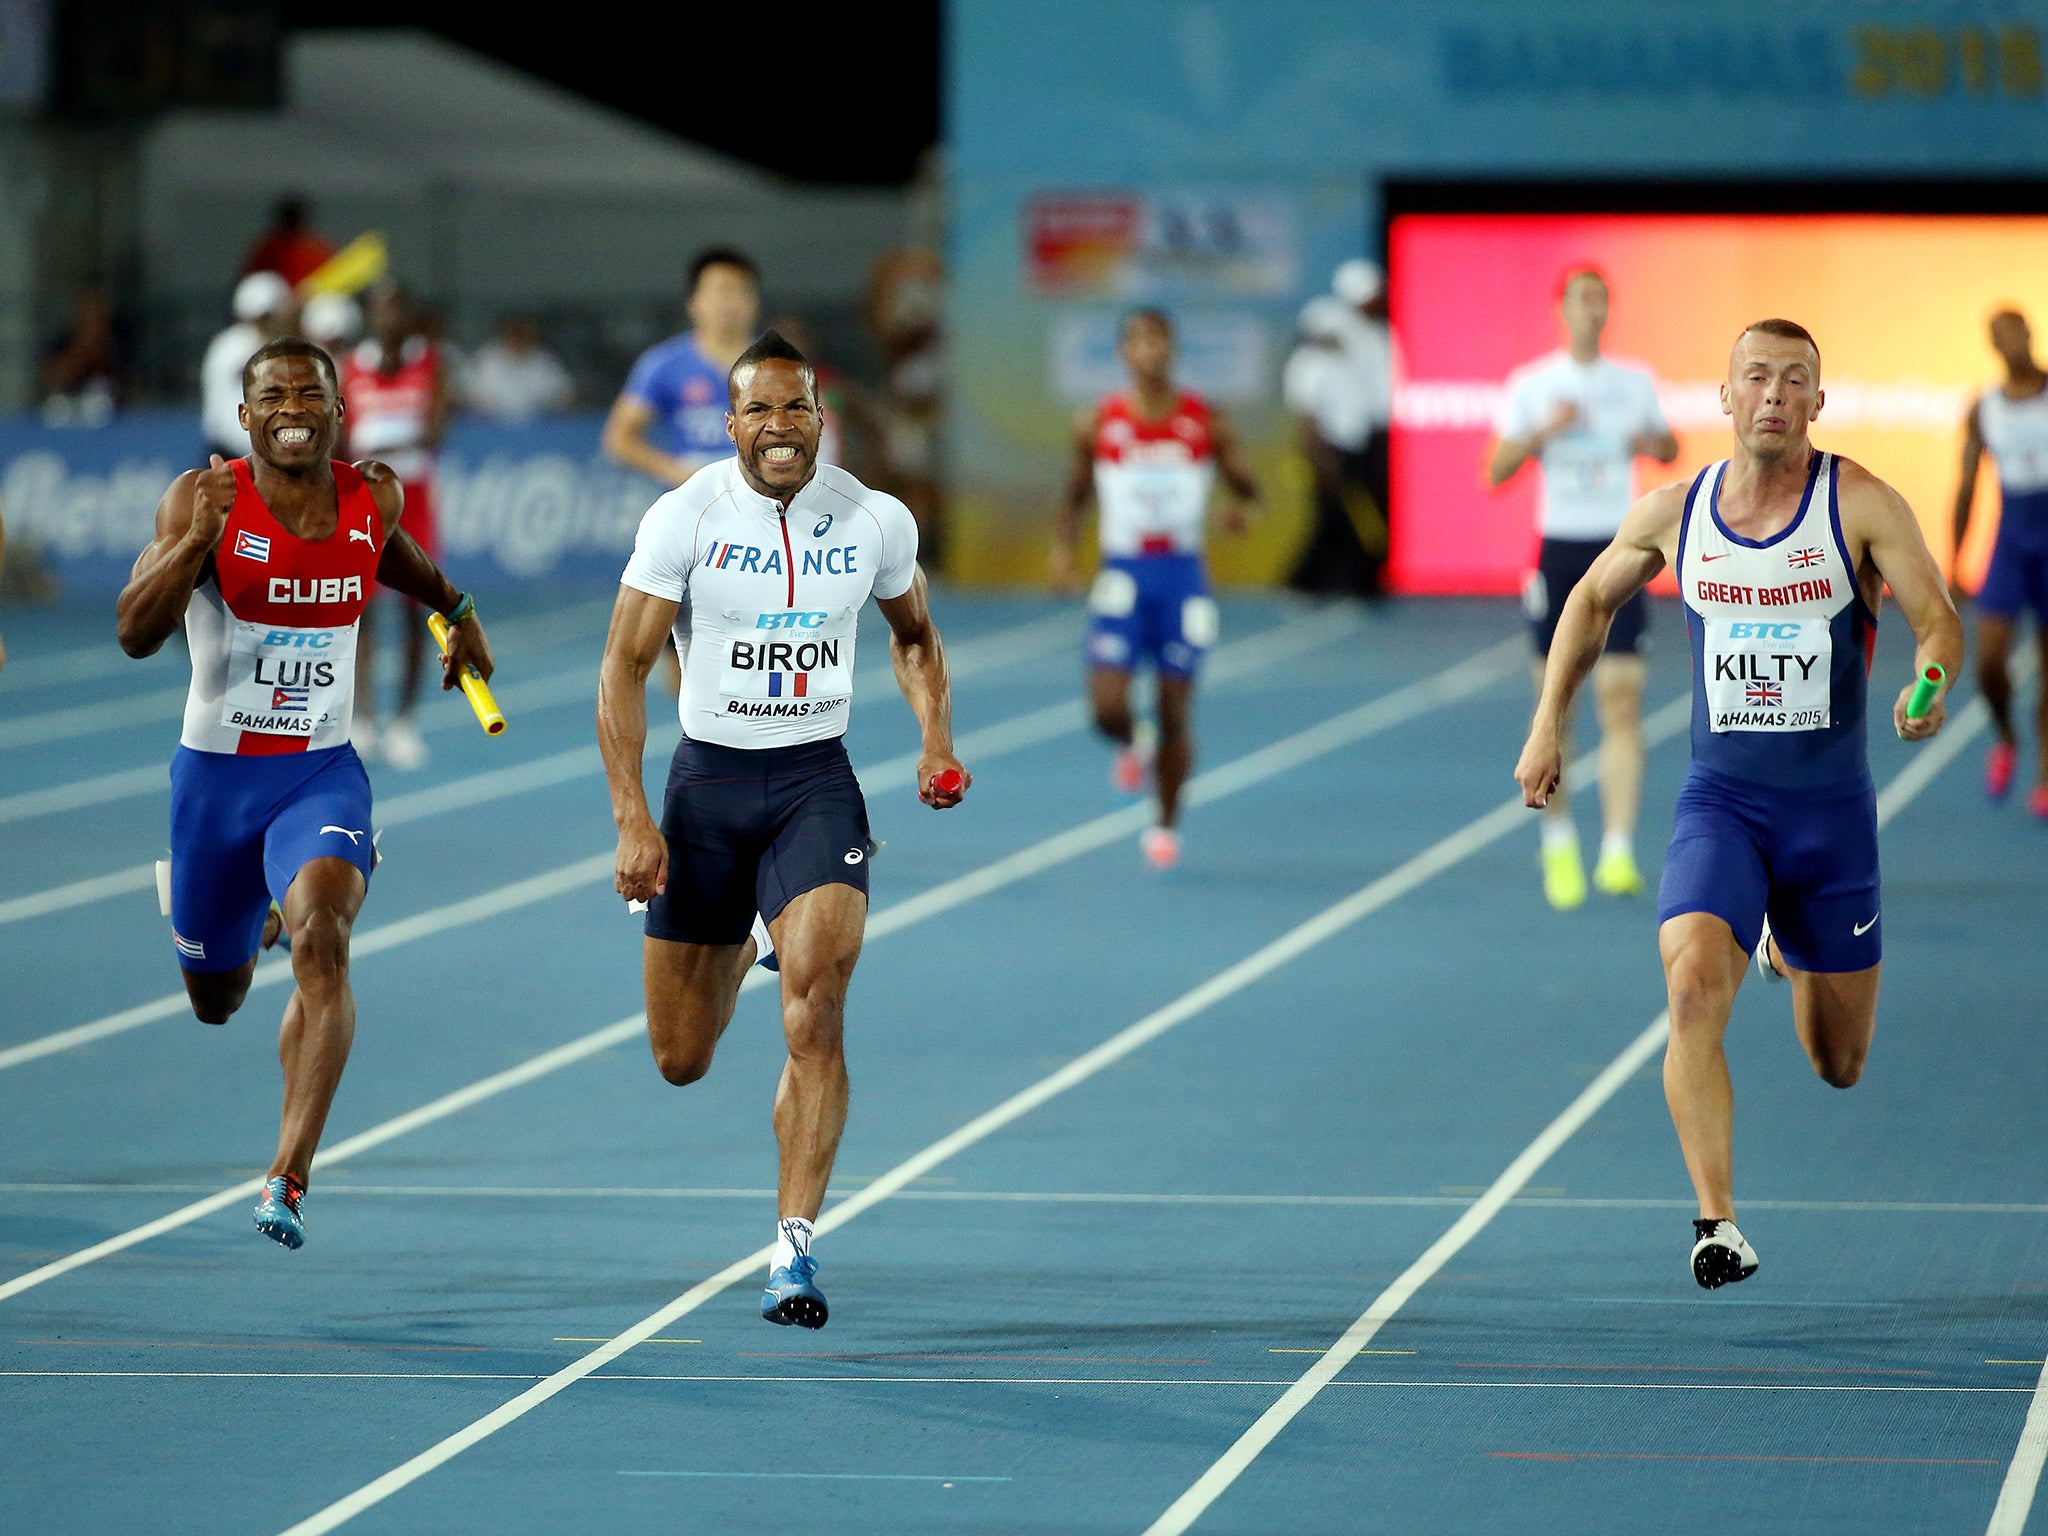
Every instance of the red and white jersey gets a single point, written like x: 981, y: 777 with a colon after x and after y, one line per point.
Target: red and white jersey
x: 389, y: 414
x: 1153, y: 479
x: 273, y: 634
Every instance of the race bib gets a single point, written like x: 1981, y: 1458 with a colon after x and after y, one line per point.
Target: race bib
x: 1768, y: 674
x: 288, y: 682
x: 788, y: 663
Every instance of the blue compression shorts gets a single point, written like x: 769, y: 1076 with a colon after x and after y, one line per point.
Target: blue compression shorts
x: 1152, y: 608
x: 241, y: 830
x: 1807, y: 857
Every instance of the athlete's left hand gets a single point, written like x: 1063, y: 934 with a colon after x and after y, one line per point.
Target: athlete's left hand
x: 929, y: 767
x: 1925, y: 726
x: 467, y: 647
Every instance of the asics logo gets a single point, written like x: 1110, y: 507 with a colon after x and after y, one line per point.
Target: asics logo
x: 1862, y: 928
x: 363, y: 534
x: 854, y: 856
x: 824, y: 523
x: 357, y: 837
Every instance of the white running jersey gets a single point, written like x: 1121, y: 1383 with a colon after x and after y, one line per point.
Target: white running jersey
x: 1589, y: 469
x: 2016, y: 434
x: 770, y: 597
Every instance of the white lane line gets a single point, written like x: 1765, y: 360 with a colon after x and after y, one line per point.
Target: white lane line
x: 1454, y: 683
x: 2016, y: 1492
x: 86, y: 719
x: 1225, y: 984
x: 1188, y: 1508
x: 1016, y: 1381
x: 80, y: 793
x: 1457, y: 681
x: 1085, y: 1197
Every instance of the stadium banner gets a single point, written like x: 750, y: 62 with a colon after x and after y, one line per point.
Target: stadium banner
x: 1476, y: 297
x: 534, y: 503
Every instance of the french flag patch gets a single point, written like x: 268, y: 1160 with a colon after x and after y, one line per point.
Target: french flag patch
x: 252, y: 546
x: 791, y: 685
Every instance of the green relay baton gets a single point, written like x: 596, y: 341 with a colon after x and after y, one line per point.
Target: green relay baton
x: 1924, y: 692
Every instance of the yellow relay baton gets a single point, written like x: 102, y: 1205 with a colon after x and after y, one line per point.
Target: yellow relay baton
x: 474, y: 688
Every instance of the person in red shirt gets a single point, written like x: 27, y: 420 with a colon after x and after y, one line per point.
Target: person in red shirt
x: 396, y: 385
x: 290, y: 247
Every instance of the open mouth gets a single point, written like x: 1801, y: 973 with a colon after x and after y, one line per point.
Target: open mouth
x: 782, y: 454
x: 292, y: 437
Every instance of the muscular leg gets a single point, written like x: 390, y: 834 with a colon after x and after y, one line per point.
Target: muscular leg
x: 818, y: 936
x: 1176, y: 752
x: 691, y: 990
x: 1618, y: 697
x: 1109, y: 697
x: 1835, y: 1014
x: 320, y: 1020
x: 1994, y: 678
x: 1703, y: 965
x: 216, y: 995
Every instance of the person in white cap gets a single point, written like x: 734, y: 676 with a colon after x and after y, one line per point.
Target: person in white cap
x: 1352, y: 379
x: 332, y: 321
x: 264, y: 309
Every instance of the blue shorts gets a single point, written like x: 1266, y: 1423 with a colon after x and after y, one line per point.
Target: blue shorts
x: 1807, y: 857
x: 241, y: 830
x: 1151, y: 608
x: 751, y: 829
x: 2018, y: 577
x: 1561, y: 564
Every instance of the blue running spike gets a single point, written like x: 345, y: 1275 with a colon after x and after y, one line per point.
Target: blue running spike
x: 791, y: 1296
x: 277, y: 1213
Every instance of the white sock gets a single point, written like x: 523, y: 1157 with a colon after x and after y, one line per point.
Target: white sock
x: 764, y: 942
x: 1558, y: 832
x: 792, y: 1237
x: 1612, y: 842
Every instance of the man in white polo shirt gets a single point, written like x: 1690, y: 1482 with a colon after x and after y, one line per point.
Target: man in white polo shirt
x: 1586, y: 419
x: 757, y: 568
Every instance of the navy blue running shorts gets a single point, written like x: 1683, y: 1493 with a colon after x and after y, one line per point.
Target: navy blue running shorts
x: 749, y: 830
x: 1560, y: 565
x: 1807, y: 857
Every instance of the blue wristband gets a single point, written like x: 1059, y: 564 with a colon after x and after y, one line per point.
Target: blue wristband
x: 464, y: 607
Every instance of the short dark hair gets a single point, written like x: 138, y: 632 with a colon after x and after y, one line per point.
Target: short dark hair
x: 721, y: 256
x: 1151, y: 315
x: 1578, y: 270
x: 771, y: 346
x: 292, y: 346
x: 1790, y: 330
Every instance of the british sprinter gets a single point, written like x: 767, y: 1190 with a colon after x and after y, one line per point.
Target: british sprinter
x: 1782, y: 554
x: 758, y: 566
x: 268, y: 562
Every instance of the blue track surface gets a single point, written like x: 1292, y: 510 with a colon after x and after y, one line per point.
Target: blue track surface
x: 1062, y: 1326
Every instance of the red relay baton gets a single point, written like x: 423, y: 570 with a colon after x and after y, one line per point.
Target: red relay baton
x: 948, y: 781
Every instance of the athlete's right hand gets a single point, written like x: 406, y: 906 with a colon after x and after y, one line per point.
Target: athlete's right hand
x: 640, y: 872
x: 213, y: 499
x: 1542, y: 765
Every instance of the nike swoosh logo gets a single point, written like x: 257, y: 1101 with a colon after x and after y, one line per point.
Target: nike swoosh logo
x: 357, y: 837
x: 1863, y: 928
x: 1705, y: 559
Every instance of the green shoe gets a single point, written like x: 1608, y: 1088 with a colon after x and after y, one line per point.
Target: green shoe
x: 1564, y: 877
x: 1616, y: 874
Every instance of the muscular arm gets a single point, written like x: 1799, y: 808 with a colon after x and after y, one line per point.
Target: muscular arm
x: 1230, y: 465
x: 920, y: 659
x: 404, y: 567
x: 169, y: 567
x: 1966, y: 487
x: 641, y: 623
x: 1074, y: 496
x: 1661, y: 445
x: 625, y: 442
x: 1877, y: 518
x: 1643, y: 546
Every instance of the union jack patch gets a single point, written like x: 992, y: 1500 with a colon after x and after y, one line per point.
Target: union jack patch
x: 1767, y: 695
x: 1800, y: 559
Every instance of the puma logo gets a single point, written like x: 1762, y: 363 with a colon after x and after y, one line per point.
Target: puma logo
x: 350, y: 834
x: 363, y: 534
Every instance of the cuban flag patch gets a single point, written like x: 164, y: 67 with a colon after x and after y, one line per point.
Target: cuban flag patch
x: 191, y: 949
x: 289, y: 700
x: 251, y: 546
x: 788, y: 685
x: 1800, y: 559
x: 1764, y: 695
